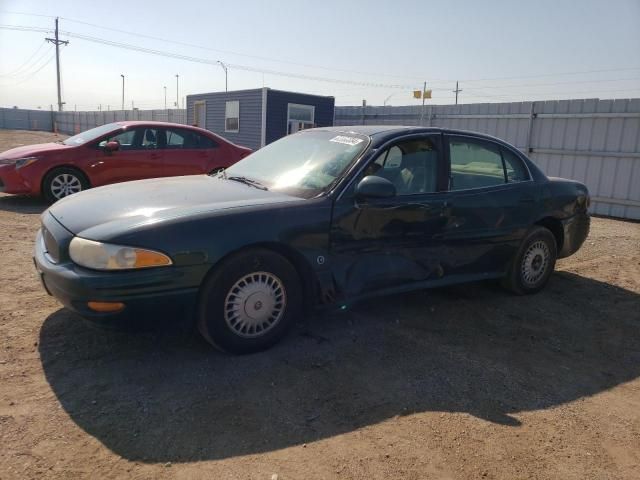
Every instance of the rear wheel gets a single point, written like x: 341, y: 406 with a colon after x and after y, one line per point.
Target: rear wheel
x: 250, y: 302
x: 533, y: 264
x: 62, y: 182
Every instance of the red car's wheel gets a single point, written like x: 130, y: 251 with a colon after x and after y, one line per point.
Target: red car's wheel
x: 62, y: 182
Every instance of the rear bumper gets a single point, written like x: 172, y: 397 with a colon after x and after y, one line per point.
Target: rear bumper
x: 576, y: 230
x: 152, y: 298
x: 12, y: 182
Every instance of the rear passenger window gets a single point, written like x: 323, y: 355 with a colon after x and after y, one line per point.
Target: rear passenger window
x: 514, y: 167
x: 474, y: 166
x: 185, y: 139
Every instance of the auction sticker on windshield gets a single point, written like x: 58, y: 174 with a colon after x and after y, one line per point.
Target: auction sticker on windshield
x: 347, y: 140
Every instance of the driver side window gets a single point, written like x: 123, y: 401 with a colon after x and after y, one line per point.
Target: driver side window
x: 125, y: 139
x: 412, y: 166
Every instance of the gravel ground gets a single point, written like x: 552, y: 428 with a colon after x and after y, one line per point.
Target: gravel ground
x: 454, y: 383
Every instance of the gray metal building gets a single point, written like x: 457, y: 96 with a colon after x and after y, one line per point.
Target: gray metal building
x: 257, y: 117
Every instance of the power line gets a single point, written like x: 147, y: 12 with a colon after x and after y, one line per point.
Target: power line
x: 227, y: 52
x: 34, y: 68
x: 247, y: 68
x: 16, y: 70
x: 435, y: 81
x: 553, y: 83
x: 295, y: 75
x: 33, y: 74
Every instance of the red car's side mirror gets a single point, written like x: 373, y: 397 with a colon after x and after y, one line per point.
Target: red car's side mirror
x: 111, y: 146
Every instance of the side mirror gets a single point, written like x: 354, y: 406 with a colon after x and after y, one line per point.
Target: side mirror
x: 111, y: 146
x: 373, y: 186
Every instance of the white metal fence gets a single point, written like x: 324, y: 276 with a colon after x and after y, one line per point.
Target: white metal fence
x: 19, y: 119
x: 76, y: 122
x: 596, y: 142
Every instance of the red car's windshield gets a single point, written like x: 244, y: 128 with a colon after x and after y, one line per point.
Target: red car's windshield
x: 92, y: 134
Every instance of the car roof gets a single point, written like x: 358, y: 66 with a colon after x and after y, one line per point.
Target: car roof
x: 140, y: 123
x: 381, y: 133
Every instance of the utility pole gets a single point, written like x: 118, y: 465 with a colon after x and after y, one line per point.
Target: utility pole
x: 177, y: 97
x: 224, y: 67
x: 57, y: 42
x: 122, y: 91
x: 456, y: 91
x: 424, y: 89
x: 165, y: 97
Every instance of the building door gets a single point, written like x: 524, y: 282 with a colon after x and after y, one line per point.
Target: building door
x: 200, y: 113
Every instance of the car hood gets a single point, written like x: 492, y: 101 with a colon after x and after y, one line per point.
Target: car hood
x: 31, y: 150
x: 100, y: 211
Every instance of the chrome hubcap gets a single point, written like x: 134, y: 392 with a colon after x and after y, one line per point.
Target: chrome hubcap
x: 255, y: 304
x: 65, y: 184
x: 535, y: 262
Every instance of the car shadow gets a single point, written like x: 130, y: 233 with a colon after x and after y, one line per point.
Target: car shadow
x: 471, y: 349
x: 22, y: 204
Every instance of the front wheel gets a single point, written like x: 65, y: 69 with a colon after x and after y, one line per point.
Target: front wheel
x: 534, y: 263
x: 250, y: 302
x: 62, y: 182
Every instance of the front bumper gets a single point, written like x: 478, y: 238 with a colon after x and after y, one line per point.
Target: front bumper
x: 164, y: 296
x: 12, y: 182
x: 575, y: 230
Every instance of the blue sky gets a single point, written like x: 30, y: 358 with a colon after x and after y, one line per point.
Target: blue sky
x: 499, y: 50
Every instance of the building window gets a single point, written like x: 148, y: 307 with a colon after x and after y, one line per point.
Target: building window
x: 232, y: 116
x: 300, y: 117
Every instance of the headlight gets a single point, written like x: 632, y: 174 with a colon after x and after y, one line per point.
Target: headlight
x: 104, y: 256
x: 23, y: 162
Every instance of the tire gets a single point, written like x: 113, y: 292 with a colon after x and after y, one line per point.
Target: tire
x: 533, y: 264
x: 63, y: 181
x: 266, y: 291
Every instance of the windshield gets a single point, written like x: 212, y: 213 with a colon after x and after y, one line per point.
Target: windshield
x: 303, y: 164
x: 92, y: 134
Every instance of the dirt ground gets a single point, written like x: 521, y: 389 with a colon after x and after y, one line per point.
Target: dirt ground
x: 454, y: 383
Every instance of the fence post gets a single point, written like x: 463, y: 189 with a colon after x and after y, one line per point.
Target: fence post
x: 532, y: 116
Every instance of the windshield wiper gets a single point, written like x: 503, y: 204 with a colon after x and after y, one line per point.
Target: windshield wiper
x: 247, y: 181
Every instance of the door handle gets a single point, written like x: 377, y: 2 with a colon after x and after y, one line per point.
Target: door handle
x: 527, y: 199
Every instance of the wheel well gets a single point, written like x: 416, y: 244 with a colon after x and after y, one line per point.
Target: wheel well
x: 303, y: 268
x: 72, y: 167
x: 554, y: 226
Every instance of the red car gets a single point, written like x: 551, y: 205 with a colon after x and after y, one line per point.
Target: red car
x: 116, y: 152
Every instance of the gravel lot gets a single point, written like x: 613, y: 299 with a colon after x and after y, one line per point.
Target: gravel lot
x: 456, y: 383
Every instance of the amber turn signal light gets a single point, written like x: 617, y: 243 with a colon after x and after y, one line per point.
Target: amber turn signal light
x: 106, y: 307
